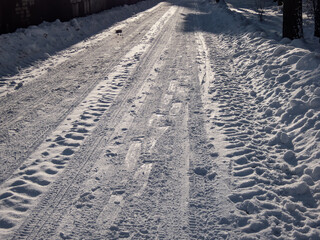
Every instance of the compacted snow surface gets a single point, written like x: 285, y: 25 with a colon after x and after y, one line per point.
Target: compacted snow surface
x: 196, y: 122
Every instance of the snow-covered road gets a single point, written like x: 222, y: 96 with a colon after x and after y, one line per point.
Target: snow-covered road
x: 162, y: 132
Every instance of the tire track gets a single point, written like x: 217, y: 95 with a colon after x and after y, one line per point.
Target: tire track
x: 18, y: 119
x: 72, y: 173
x: 211, y: 213
x: 153, y: 197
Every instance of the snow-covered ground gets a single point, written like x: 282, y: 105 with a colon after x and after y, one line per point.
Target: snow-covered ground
x: 197, y: 122
x: 36, y: 49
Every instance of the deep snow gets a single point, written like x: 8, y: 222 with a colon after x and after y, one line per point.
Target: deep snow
x: 206, y: 127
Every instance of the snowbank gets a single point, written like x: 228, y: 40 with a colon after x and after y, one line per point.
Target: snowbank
x: 269, y: 112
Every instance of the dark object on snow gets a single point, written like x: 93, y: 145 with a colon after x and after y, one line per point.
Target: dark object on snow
x: 119, y: 31
x: 292, y: 19
x: 18, y: 86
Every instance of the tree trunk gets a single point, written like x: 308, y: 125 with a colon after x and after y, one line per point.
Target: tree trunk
x: 317, y: 18
x: 292, y: 19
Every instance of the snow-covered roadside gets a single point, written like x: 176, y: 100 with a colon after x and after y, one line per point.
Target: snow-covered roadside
x: 264, y: 100
x: 271, y: 25
x: 28, y: 53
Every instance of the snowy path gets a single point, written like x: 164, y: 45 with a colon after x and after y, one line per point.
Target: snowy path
x: 154, y: 134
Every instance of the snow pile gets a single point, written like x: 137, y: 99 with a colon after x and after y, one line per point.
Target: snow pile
x: 268, y: 100
x: 30, y: 46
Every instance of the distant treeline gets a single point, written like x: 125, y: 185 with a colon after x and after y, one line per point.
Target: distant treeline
x: 23, y: 13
